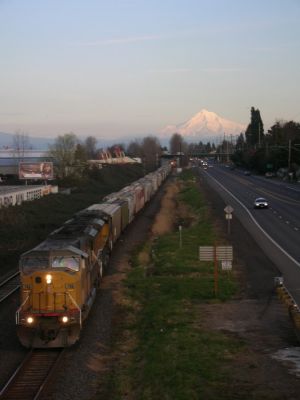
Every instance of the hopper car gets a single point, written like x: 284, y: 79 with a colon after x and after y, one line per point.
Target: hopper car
x: 60, y: 276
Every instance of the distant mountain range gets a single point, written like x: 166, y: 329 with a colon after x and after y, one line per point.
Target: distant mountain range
x: 36, y: 143
x: 204, y: 126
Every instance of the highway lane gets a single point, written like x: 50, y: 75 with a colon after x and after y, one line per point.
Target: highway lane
x: 277, y: 229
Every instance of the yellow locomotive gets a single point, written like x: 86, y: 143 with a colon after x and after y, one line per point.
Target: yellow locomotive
x: 60, y: 276
x: 59, y: 279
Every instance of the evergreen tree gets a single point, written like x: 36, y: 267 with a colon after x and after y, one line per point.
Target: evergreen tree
x: 255, y: 130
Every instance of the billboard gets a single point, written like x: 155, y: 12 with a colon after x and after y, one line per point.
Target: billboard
x: 37, y: 170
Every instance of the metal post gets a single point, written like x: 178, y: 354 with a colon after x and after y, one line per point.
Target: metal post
x: 289, y: 156
x: 215, y: 271
x: 180, y: 236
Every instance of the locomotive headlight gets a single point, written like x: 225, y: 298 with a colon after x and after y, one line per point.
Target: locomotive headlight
x: 65, y: 319
x: 48, y: 279
x: 29, y: 320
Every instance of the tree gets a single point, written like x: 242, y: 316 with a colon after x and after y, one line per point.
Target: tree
x: 281, y: 132
x: 255, y: 130
x: 283, y: 141
x: 90, y: 145
x: 134, y: 149
x: 151, y: 152
x: 20, y: 143
x: 176, y: 144
x: 80, y: 155
x: 240, y: 143
x: 63, y: 151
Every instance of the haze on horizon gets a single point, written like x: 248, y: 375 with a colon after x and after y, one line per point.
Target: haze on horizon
x: 111, y: 69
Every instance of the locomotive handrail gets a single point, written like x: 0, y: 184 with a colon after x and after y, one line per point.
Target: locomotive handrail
x: 77, y: 306
x: 20, y: 309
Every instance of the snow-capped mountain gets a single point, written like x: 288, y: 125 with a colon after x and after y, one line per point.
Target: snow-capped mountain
x: 205, y: 125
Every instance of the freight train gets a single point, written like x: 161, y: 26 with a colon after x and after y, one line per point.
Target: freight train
x: 59, y: 277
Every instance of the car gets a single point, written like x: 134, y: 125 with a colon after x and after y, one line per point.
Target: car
x: 261, y: 202
x: 269, y: 174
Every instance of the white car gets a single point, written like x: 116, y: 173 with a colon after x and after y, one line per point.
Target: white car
x: 261, y: 202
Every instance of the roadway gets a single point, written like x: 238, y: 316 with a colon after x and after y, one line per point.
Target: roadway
x: 276, y: 229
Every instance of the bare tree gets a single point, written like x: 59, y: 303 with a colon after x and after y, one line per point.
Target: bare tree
x: 134, y: 149
x: 91, y: 147
x: 176, y: 144
x: 64, y: 153
x: 20, y: 143
x: 151, y: 152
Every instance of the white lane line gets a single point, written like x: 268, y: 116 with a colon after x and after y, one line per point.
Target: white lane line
x: 254, y: 220
x: 292, y: 188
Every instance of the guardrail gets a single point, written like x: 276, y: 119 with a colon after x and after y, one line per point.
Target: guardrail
x: 286, y: 297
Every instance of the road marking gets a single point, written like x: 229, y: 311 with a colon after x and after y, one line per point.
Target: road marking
x: 292, y: 188
x: 254, y: 220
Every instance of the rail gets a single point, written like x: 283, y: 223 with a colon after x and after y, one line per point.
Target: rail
x: 9, y: 286
x: 33, y: 376
x: 293, y: 308
x: 78, y: 308
x: 20, y: 309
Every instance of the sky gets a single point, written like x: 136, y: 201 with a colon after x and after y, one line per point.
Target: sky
x: 129, y: 68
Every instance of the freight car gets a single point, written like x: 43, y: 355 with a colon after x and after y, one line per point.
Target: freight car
x: 60, y: 276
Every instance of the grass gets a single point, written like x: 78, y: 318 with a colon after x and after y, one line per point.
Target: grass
x: 173, y: 355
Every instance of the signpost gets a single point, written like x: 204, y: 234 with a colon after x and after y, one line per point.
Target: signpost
x: 180, y: 236
x: 217, y: 253
x: 228, y: 215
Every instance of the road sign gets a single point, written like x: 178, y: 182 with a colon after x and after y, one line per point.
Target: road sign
x: 216, y: 253
x: 228, y: 210
x: 206, y: 253
x: 224, y: 253
x: 226, y: 265
x: 228, y: 216
x: 221, y: 253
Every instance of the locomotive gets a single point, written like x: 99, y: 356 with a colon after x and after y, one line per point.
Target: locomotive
x: 60, y: 276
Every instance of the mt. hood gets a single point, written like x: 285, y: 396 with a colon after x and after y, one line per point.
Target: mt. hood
x: 205, y: 125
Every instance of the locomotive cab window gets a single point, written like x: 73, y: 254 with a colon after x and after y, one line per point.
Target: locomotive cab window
x: 71, y: 263
x: 30, y: 264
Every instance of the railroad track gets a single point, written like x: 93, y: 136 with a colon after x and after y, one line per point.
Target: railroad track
x: 9, y: 286
x: 33, y: 376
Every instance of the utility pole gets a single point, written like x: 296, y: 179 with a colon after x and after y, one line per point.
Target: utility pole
x: 227, y: 150
x: 289, y: 155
